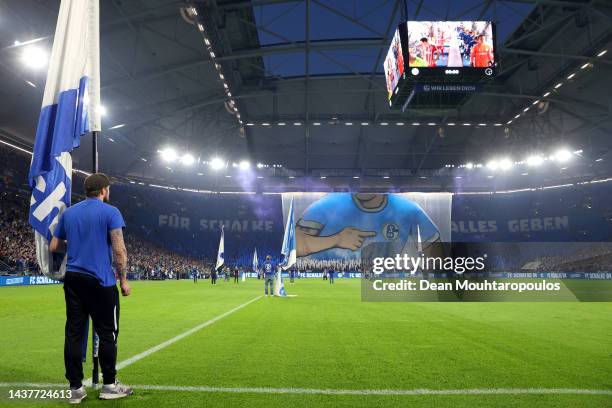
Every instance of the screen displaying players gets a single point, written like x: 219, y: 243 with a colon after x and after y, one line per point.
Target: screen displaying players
x: 450, y: 44
x: 394, y: 64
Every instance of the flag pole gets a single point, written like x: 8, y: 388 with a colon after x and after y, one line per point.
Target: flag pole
x: 94, y: 144
x: 95, y: 340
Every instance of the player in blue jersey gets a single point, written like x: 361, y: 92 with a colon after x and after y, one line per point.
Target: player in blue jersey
x: 338, y: 225
x: 269, y: 270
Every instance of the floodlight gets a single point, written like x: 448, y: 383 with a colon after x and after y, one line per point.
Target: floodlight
x: 168, y: 154
x: 187, y: 159
x: 217, y: 163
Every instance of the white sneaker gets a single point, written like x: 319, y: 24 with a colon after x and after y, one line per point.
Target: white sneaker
x: 77, y: 395
x: 115, y: 391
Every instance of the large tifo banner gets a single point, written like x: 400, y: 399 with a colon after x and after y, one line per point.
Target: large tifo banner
x: 333, y: 223
x: 332, y: 228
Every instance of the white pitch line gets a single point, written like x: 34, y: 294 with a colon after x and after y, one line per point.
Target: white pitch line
x: 181, y: 336
x: 266, y: 390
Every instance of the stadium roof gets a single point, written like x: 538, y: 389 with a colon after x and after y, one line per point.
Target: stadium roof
x: 305, y: 79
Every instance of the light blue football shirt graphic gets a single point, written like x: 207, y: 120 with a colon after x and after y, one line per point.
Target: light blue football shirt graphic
x: 395, y: 221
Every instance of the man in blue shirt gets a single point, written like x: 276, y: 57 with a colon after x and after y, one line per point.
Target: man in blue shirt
x: 92, y: 234
x: 269, y: 271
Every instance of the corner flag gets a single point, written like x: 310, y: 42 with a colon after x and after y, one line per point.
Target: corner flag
x: 221, y: 252
x: 70, y: 109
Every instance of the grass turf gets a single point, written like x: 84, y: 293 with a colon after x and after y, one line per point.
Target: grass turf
x: 323, y: 338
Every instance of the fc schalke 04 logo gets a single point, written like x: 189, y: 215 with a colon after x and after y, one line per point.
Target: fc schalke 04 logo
x: 390, y: 232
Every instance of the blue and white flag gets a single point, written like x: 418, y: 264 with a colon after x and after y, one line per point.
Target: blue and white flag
x: 255, y: 261
x: 289, y: 251
x: 70, y: 109
x: 221, y: 252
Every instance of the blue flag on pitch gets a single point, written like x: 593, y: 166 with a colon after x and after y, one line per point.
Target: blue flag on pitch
x: 70, y: 109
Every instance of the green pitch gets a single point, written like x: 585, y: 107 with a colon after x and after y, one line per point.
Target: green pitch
x: 323, y: 339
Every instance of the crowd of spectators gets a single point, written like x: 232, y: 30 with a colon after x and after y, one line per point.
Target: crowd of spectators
x: 148, y: 261
x: 17, y: 239
x: 591, y: 257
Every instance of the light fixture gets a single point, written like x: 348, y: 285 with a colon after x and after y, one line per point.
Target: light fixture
x: 187, y: 159
x: 34, y: 57
x: 493, y: 165
x: 602, y: 53
x: 102, y: 110
x: 534, y: 160
x: 505, y: 164
x: 244, y: 165
x: 469, y: 166
x: 217, y: 163
x: 562, y: 155
x: 168, y: 154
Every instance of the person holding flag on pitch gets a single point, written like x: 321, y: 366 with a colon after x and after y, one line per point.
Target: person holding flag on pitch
x: 78, y: 244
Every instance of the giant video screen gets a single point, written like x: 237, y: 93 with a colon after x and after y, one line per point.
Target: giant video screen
x: 460, y: 48
x: 394, y: 64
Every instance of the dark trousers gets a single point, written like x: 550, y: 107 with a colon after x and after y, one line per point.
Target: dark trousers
x: 86, y: 297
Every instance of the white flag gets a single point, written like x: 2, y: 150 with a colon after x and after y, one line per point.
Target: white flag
x: 221, y: 252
